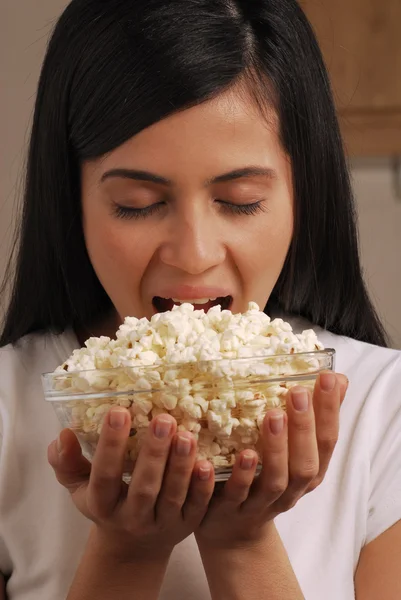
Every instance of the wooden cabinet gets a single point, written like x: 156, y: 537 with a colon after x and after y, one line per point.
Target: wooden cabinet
x: 361, y: 43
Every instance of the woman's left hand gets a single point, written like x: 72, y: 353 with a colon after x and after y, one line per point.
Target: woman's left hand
x: 295, y: 461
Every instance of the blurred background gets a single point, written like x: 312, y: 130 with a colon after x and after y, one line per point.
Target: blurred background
x: 361, y: 42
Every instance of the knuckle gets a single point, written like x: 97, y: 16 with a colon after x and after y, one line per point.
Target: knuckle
x: 303, y: 425
x: 201, y: 499
x: 113, y: 443
x: 145, y: 493
x: 180, y: 471
x: 200, y: 494
x: 62, y: 480
x: 193, y: 512
x: 301, y: 480
x: 278, y: 486
x: 242, y: 486
x: 238, y: 495
x: 156, y: 451
x: 275, y: 486
x: 194, y: 509
x: 327, y: 444
x: 95, y: 506
x: 307, y: 472
x: 286, y: 503
x: 290, y: 503
x: 174, y: 502
x: 103, y: 478
x: 314, y: 484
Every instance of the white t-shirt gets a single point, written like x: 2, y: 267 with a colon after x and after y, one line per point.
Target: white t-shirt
x: 42, y: 535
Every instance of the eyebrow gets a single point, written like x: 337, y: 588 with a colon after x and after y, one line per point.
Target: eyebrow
x: 137, y: 175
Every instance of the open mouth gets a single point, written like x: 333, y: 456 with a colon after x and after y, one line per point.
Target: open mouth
x: 165, y: 304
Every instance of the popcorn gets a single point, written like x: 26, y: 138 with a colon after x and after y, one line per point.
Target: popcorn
x: 141, y: 420
x: 194, y: 366
x: 168, y: 401
x: 200, y: 400
x: 215, y: 449
x: 189, y: 408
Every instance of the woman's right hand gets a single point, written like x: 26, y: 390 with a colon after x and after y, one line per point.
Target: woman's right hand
x: 166, y: 499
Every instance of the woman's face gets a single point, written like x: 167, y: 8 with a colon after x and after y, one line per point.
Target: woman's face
x: 198, y: 206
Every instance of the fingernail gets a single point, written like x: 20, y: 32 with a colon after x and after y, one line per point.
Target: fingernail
x: 117, y: 418
x: 276, y: 423
x: 204, y: 473
x: 162, y: 428
x: 247, y: 461
x: 327, y: 381
x: 343, y: 379
x: 59, y: 444
x: 300, y: 400
x: 183, y: 446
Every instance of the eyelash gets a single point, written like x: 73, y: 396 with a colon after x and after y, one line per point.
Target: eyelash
x: 127, y: 212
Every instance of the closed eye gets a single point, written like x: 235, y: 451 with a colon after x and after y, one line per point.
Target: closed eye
x: 242, y: 209
x: 129, y: 212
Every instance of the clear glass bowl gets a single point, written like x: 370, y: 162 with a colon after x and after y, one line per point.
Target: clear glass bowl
x: 223, y: 402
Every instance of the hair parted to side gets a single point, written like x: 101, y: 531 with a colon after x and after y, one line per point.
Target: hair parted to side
x: 115, y: 67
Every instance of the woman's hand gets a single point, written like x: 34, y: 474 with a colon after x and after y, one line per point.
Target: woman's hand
x: 166, y: 499
x: 297, y: 448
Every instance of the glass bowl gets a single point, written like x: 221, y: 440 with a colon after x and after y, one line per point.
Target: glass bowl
x: 222, y: 402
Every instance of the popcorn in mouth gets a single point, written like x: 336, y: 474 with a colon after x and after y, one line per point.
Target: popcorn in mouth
x: 166, y: 304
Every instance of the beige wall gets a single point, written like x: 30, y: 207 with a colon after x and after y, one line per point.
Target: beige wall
x: 24, y: 27
x: 379, y: 209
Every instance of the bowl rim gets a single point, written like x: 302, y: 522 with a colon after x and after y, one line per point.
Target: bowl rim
x: 63, y: 395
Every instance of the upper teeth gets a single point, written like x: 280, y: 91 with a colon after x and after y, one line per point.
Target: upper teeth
x: 194, y: 301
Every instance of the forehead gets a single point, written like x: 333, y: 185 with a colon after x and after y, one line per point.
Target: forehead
x: 226, y: 132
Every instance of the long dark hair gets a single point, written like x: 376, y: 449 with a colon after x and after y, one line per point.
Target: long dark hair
x: 115, y: 67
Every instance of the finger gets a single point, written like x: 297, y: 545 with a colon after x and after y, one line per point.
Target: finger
x: 237, y: 488
x: 177, y: 477
x: 105, y: 484
x: 147, y: 477
x: 343, y: 382
x: 71, y: 468
x: 326, y: 403
x: 303, y: 452
x: 200, y: 492
x: 273, y: 479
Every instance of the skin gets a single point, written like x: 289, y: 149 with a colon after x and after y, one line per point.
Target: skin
x: 194, y: 240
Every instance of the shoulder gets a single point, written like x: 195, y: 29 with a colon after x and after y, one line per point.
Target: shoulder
x: 374, y: 375
x: 37, y: 348
x: 354, y: 355
x: 369, y: 445
x: 23, y: 363
x: 356, y: 359
x: 373, y: 400
x: 37, y: 351
x: 373, y: 371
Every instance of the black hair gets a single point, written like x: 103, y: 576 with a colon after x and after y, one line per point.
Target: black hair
x: 115, y: 67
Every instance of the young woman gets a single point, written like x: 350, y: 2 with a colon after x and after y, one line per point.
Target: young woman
x: 190, y: 149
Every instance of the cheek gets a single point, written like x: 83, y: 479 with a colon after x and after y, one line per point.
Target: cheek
x: 108, y: 250
x: 106, y: 245
x: 265, y: 245
x: 113, y: 249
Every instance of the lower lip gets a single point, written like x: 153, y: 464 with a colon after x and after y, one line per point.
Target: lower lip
x: 161, y: 305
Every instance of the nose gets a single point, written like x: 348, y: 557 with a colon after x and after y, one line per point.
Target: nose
x: 193, y: 245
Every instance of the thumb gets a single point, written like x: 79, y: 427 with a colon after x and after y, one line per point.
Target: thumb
x: 71, y: 468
